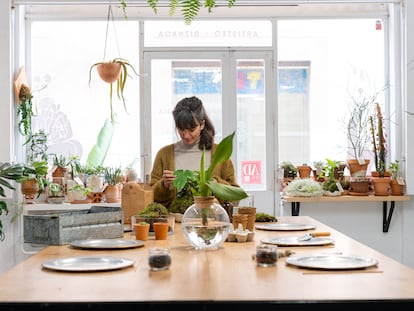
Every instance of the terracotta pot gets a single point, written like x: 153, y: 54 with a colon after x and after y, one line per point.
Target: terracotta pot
x: 396, y: 188
x: 376, y: 174
x: 112, y: 194
x: 359, y: 187
x: 109, y: 72
x: 30, y: 188
x: 141, y: 231
x: 161, y: 230
x: 381, y: 185
x: 357, y: 169
x: 304, y: 171
x: 59, y: 172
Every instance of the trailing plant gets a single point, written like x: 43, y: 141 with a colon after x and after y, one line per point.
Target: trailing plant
x: 25, y: 111
x: 120, y: 81
x: 379, y: 141
x: 189, y: 8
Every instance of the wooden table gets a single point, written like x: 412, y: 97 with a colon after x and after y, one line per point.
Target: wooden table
x: 386, y: 214
x: 228, y: 275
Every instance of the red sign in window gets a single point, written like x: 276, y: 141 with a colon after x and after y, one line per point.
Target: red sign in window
x: 251, y: 172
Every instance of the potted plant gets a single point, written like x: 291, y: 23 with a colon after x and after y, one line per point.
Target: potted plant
x: 397, y: 182
x: 331, y: 184
x: 25, y: 110
x: 304, y: 170
x: 206, y: 218
x: 112, y: 176
x: 153, y: 212
x: 141, y: 230
x: 60, y: 163
x: 56, y: 193
x: 79, y: 192
x: 361, y: 107
x: 381, y: 184
x: 33, y: 179
x: 290, y: 172
x: 8, y: 172
x: 114, y: 71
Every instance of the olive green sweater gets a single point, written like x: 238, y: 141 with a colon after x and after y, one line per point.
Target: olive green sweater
x: 223, y: 173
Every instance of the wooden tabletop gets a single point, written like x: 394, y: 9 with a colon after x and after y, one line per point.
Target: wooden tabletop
x: 228, y: 274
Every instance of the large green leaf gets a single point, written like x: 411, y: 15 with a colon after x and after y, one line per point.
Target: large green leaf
x: 222, y: 153
x: 226, y: 192
x: 99, y: 151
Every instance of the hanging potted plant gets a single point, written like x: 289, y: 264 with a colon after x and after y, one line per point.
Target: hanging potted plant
x: 115, y: 71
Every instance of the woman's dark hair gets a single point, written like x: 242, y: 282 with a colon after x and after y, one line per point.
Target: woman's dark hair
x: 190, y: 113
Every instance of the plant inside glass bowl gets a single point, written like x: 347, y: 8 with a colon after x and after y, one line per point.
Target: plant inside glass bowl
x: 202, y: 184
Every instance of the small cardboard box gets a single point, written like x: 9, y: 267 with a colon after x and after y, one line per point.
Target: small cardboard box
x: 57, y: 228
x: 135, y: 197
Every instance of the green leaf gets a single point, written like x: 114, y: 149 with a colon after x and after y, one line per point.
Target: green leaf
x: 99, y: 151
x: 226, y: 192
x: 222, y: 154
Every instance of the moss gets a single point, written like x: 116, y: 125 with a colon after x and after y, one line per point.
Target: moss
x: 179, y: 205
x: 154, y: 209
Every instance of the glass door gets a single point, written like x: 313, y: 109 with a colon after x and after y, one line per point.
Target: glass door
x: 236, y: 89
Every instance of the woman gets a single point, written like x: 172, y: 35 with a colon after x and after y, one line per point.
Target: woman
x: 196, y: 132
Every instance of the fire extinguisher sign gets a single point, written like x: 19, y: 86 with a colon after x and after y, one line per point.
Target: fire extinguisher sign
x: 251, y: 172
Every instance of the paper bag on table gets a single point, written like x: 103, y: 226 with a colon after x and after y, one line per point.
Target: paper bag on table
x: 135, y: 197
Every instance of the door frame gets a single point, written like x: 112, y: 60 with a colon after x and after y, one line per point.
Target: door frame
x: 267, y: 200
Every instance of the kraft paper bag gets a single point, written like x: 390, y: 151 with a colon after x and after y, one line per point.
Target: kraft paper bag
x: 135, y: 197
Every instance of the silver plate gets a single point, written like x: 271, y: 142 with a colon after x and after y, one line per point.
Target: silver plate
x: 332, y: 262
x: 284, y: 227
x: 293, y: 241
x: 106, y: 244
x: 88, y: 263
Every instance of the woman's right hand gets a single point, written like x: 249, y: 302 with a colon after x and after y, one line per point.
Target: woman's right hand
x: 168, y: 178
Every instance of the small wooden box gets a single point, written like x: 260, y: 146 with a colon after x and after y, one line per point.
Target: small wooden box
x: 57, y: 228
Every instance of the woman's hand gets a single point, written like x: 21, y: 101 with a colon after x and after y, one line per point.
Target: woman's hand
x: 168, y: 178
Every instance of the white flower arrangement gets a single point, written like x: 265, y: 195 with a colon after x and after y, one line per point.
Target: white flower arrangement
x: 305, y: 187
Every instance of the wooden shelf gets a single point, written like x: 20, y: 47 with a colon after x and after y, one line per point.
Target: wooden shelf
x: 387, y: 215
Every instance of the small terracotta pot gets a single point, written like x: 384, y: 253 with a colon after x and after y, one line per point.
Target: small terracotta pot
x: 161, y: 230
x: 141, y: 231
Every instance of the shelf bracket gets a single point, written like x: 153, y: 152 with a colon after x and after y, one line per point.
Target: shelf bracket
x: 386, y: 216
x: 295, y: 208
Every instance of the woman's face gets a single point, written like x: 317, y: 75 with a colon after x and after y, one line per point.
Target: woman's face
x: 190, y: 136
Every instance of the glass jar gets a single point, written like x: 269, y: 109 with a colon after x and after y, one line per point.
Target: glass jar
x: 205, y: 224
x: 266, y: 255
x: 159, y: 258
